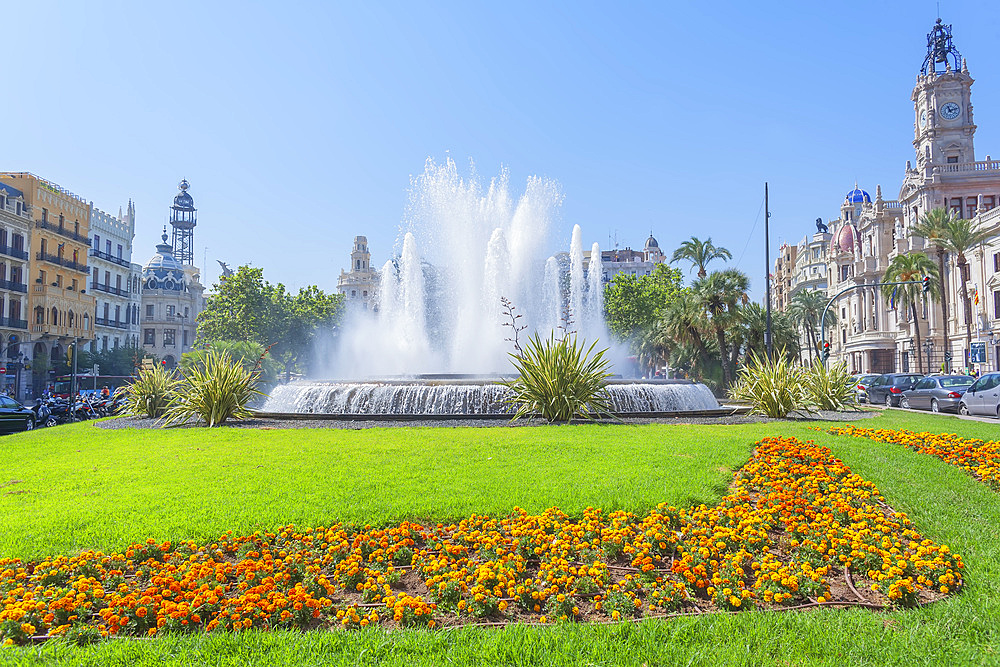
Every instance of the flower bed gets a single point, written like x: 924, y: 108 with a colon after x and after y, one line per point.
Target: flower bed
x: 795, y: 526
x: 981, y: 458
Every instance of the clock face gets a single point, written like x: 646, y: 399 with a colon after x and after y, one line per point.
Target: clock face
x: 950, y: 111
x: 923, y: 118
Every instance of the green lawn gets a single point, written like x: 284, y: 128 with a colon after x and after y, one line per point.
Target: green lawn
x: 192, y: 483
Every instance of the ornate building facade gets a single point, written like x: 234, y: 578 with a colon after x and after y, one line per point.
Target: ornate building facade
x: 112, y: 281
x: 871, y: 333
x: 360, y: 284
x: 60, y: 305
x: 172, y: 293
x: 15, y: 231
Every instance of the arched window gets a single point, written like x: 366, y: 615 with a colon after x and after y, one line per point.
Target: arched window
x: 39, y: 315
x: 86, y: 322
x: 71, y: 318
x: 55, y: 316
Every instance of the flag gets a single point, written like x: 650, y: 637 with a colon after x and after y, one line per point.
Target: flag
x: 975, y: 295
x: 892, y: 299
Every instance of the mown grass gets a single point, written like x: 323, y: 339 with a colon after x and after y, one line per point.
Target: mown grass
x: 945, y: 503
x: 80, y: 487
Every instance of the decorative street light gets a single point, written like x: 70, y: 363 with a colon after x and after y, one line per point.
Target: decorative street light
x: 928, y: 345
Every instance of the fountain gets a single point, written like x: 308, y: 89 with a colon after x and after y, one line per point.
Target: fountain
x: 437, y: 344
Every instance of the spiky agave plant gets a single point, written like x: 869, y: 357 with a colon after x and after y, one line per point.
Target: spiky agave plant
x: 559, y: 379
x: 214, y: 391
x: 151, y: 392
x: 830, y: 388
x: 773, y: 387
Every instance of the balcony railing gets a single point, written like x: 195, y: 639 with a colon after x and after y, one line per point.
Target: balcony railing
x: 61, y: 261
x: 62, y: 231
x: 117, y: 324
x: 982, y: 165
x: 109, y: 258
x: 13, y: 286
x: 13, y: 252
x: 109, y: 289
x: 12, y: 323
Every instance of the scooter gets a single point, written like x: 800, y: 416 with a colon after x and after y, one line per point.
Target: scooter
x: 43, y: 415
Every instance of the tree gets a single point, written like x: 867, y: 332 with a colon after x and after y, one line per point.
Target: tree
x: 121, y: 360
x: 720, y: 295
x: 699, y: 253
x: 684, y: 322
x: 247, y: 308
x: 250, y: 355
x: 912, y: 267
x: 748, y: 336
x: 806, y: 310
x: 634, y: 304
x: 933, y: 226
x: 958, y: 237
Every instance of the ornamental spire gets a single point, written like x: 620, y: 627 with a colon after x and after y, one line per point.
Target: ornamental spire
x: 941, y: 50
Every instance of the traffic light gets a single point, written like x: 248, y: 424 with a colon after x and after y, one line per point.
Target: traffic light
x: 927, y: 284
x: 826, y: 351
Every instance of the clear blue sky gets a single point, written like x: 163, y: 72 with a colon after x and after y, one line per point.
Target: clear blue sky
x: 299, y: 124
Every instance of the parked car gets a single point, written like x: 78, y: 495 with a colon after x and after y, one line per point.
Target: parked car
x: 889, y: 388
x: 862, y: 383
x: 15, y: 417
x: 937, y: 393
x: 983, y: 397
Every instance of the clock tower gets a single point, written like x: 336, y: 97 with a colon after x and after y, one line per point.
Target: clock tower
x: 942, y: 105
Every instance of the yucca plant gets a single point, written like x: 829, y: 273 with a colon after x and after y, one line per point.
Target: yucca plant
x: 214, y: 391
x: 151, y: 392
x: 773, y: 387
x: 830, y: 388
x: 559, y: 379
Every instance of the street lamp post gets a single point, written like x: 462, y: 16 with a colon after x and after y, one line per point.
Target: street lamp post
x: 928, y: 345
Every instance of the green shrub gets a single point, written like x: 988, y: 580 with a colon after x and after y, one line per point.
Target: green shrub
x: 773, y: 387
x: 559, y: 379
x: 151, y: 393
x: 830, y: 388
x: 214, y: 391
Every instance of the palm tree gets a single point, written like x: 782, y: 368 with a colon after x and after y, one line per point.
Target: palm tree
x: 933, y: 226
x: 913, y: 267
x: 806, y: 309
x: 753, y: 324
x: 960, y: 236
x: 683, y: 323
x: 700, y: 253
x: 720, y: 296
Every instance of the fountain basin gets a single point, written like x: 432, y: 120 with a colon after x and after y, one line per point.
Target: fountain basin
x: 459, y: 396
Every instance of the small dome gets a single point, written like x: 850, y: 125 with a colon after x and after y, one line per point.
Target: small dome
x: 844, y: 239
x: 651, y: 243
x: 858, y: 196
x: 163, y: 271
x: 183, y: 199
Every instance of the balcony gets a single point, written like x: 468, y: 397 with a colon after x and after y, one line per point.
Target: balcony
x: 109, y: 258
x: 61, y: 261
x: 16, y: 253
x: 13, y: 324
x: 62, y: 231
x: 116, y: 324
x: 108, y: 289
x: 13, y: 286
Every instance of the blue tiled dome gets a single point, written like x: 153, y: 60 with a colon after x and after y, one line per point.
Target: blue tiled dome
x: 858, y: 196
x: 163, y: 271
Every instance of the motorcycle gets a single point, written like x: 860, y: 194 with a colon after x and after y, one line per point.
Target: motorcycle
x: 43, y: 415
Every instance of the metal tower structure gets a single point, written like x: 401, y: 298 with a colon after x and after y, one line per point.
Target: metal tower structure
x: 183, y: 218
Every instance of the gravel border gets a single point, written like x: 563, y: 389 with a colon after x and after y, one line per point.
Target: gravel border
x: 256, y: 423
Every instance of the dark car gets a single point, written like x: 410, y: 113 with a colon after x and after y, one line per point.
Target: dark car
x: 938, y: 393
x: 983, y: 397
x: 14, y: 417
x: 889, y: 388
x: 862, y: 382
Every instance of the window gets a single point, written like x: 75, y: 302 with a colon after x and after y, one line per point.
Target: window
x: 184, y: 336
x: 107, y: 307
x: 74, y: 285
x: 118, y: 283
x: 149, y: 336
x: 956, y: 206
x: 107, y: 247
x: 168, y: 337
x: 150, y: 310
x: 952, y: 159
x: 58, y: 280
x: 971, y: 205
x: 170, y: 311
x: 104, y: 342
x: 119, y: 251
x: 996, y: 261
x: 844, y: 273
x: 996, y: 303
x: 97, y: 242
x: 97, y: 280
x: 18, y: 242
x: 76, y: 256
x: 107, y: 279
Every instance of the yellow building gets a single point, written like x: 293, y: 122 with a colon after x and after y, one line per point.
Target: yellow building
x: 59, y: 309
